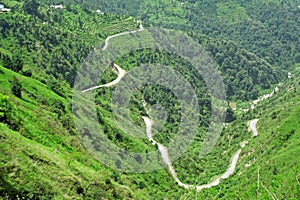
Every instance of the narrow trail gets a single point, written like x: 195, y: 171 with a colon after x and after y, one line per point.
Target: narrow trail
x: 229, y: 172
x: 163, y: 150
x: 121, y: 72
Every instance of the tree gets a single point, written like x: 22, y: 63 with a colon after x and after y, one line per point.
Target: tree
x: 6, y: 61
x: 16, y: 87
x: 4, y: 108
x: 297, y: 57
x: 230, y: 115
x: 7, y: 113
x: 31, y: 7
x: 17, y: 64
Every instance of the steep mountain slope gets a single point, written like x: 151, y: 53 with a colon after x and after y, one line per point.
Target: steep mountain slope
x: 36, y: 118
x: 269, y: 165
x: 42, y: 155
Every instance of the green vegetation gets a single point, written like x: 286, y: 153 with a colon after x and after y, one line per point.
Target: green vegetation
x: 266, y: 28
x: 44, y: 147
x: 274, y: 154
x: 254, y: 44
x: 50, y: 44
x: 231, y: 12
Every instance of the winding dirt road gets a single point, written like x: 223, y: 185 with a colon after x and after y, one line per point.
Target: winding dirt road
x: 263, y: 97
x: 121, y: 72
x: 165, y: 155
x: 163, y: 150
x: 229, y: 172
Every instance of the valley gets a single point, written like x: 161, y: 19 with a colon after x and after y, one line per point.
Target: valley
x: 52, y: 147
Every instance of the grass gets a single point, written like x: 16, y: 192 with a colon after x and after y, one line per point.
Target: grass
x: 45, y: 160
x: 36, y: 166
x: 30, y: 86
x: 43, y: 151
x: 276, y: 151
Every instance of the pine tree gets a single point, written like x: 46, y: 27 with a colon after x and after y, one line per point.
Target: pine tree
x: 16, y: 87
x: 6, y: 61
x: 17, y: 64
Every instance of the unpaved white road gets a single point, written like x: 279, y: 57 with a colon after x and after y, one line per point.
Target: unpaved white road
x: 253, y: 127
x: 263, y: 97
x: 229, y: 172
x: 121, y: 73
x: 165, y: 155
x: 163, y: 150
x: 119, y: 34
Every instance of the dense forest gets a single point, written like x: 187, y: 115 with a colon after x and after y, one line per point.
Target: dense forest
x: 236, y: 27
x: 54, y: 34
x: 266, y: 28
x: 254, y: 45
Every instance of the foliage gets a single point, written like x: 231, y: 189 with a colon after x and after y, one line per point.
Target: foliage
x: 274, y: 154
x: 254, y: 25
x: 40, y: 145
x: 16, y: 87
x: 5, y: 108
x: 54, y: 42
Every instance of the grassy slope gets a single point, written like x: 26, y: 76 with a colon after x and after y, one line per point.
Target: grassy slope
x: 43, y: 151
x: 275, y: 153
x: 45, y: 125
x: 46, y: 159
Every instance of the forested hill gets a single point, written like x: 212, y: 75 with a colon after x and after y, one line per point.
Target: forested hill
x: 50, y: 44
x: 267, y: 28
x: 41, y: 155
x: 55, y: 33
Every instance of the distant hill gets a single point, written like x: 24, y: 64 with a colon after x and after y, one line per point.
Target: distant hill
x: 62, y: 37
x: 266, y: 28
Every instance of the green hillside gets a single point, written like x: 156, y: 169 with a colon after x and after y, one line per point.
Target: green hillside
x: 43, y: 143
x: 266, y: 28
x: 50, y: 44
x: 39, y: 146
x: 269, y: 164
